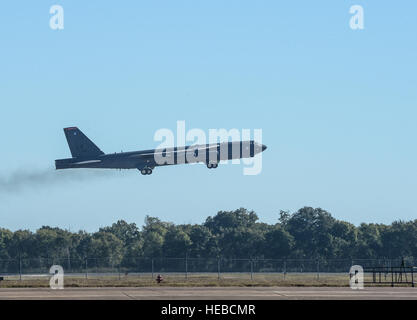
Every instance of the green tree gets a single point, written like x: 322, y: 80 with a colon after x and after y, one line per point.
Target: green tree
x: 278, y: 243
x: 311, y: 231
x: 106, y: 245
x: 22, y: 245
x: 132, y: 240
x: 127, y: 232
x: 400, y: 239
x: 153, y: 236
x: 203, y: 242
x: 176, y: 243
x: 369, y: 245
x: 240, y: 218
x: 5, y: 241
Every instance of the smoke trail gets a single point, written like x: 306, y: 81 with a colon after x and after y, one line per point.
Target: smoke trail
x: 25, y: 179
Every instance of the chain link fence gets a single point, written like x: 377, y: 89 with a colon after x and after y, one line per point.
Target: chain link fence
x: 216, y: 267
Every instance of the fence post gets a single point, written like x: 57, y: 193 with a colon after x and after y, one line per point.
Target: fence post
x: 251, y: 269
x: 392, y: 277
x: 152, y: 268
x: 86, y: 268
x: 318, y: 269
x: 285, y: 268
x: 218, y: 268
x: 69, y: 260
x: 186, y: 266
x: 20, y: 268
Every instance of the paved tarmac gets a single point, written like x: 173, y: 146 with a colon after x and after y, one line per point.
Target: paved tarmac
x: 218, y: 293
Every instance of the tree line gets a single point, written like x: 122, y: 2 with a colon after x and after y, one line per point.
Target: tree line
x: 309, y: 233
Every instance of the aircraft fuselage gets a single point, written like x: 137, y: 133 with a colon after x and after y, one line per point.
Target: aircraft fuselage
x: 87, y: 155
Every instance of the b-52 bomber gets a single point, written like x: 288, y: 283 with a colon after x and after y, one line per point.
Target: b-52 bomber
x: 85, y: 154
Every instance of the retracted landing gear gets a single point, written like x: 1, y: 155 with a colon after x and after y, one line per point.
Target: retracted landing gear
x: 146, y: 171
x: 212, y: 165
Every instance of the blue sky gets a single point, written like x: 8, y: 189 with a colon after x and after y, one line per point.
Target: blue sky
x: 337, y: 107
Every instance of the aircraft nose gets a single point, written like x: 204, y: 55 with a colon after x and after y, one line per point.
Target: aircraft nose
x: 264, y: 147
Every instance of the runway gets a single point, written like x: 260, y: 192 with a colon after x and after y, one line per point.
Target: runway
x: 211, y: 293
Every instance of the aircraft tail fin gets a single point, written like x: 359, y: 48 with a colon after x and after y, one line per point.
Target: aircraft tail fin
x: 80, y: 145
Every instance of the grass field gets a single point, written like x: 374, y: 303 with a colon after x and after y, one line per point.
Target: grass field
x: 189, y: 280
